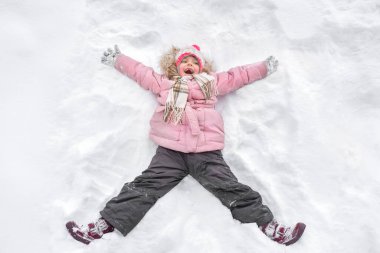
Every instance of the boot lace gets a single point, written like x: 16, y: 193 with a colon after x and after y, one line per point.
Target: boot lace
x: 277, y: 232
x: 99, y: 227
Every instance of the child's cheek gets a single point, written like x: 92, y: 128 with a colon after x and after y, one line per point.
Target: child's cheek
x: 180, y: 71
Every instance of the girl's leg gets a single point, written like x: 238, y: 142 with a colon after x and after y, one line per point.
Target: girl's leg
x: 165, y: 171
x: 212, y: 172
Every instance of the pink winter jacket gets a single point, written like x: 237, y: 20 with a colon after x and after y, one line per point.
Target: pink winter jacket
x: 202, y: 126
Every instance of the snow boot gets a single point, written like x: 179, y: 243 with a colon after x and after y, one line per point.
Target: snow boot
x: 283, y: 234
x: 93, y: 230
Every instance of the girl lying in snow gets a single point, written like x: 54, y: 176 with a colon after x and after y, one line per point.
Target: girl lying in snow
x: 190, y: 136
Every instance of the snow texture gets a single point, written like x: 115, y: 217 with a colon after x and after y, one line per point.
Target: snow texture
x: 73, y: 131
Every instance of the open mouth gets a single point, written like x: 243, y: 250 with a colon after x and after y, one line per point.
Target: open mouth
x: 189, y: 71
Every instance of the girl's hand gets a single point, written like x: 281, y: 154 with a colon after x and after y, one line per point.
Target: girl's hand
x: 110, y: 55
x: 272, y: 64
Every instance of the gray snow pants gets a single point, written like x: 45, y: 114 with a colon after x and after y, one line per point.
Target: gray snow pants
x: 166, y: 170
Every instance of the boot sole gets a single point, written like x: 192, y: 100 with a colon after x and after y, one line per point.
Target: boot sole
x: 69, y: 226
x: 300, y: 227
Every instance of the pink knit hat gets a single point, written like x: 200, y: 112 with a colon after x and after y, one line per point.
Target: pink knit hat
x: 193, y: 50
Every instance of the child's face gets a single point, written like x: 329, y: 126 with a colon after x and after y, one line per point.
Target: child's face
x: 188, y: 66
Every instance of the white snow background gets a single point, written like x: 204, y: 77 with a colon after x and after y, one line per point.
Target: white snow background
x: 73, y: 130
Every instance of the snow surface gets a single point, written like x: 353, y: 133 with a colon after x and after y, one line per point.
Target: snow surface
x: 73, y: 131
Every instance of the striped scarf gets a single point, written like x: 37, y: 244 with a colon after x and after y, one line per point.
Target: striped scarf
x: 177, y: 97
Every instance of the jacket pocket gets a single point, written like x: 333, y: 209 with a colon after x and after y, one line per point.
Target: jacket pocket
x: 214, y: 127
x: 162, y: 129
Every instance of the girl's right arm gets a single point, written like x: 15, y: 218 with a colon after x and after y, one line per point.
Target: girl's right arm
x: 145, y: 76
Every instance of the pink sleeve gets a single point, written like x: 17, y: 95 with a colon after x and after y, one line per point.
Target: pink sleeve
x: 237, y: 77
x: 143, y: 75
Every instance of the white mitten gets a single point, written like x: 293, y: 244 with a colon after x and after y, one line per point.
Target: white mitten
x: 272, y: 64
x: 110, y: 56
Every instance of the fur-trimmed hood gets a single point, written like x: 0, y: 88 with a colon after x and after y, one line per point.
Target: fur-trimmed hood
x: 168, y: 67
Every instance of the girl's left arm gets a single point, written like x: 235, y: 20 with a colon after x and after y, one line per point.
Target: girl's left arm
x: 238, y: 77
